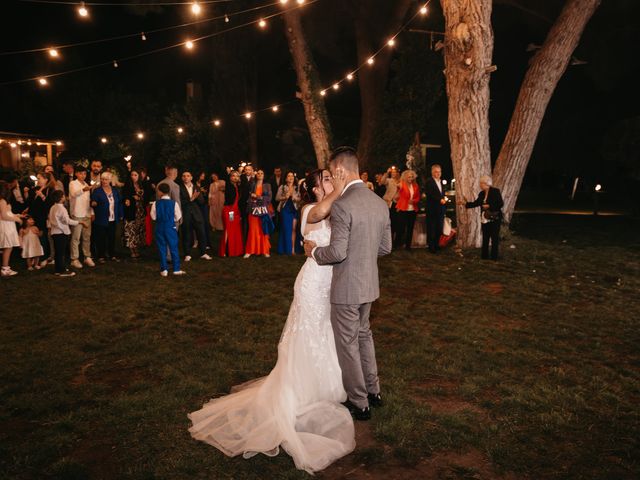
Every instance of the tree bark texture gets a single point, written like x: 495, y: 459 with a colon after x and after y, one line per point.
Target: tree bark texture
x: 545, y: 70
x: 373, y: 79
x: 309, y: 83
x: 467, y: 54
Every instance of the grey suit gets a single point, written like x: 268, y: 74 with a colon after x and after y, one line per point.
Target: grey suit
x: 360, y: 233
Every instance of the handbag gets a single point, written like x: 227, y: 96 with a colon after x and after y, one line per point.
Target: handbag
x: 491, y: 216
x: 267, y: 225
x: 257, y: 207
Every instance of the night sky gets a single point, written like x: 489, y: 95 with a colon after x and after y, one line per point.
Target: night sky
x: 593, y: 104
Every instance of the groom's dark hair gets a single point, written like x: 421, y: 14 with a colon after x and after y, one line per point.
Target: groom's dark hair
x: 345, y: 157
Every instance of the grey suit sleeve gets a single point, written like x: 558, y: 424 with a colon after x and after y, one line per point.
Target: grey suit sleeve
x: 336, y: 251
x: 386, y: 243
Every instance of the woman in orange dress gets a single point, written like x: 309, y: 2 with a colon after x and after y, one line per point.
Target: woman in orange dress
x: 257, y: 241
x: 231, y: 241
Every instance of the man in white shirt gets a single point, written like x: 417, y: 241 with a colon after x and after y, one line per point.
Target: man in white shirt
x: 80, y: 210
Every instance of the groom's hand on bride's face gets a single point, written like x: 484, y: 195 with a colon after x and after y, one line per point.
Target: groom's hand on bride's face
x: 308, y: 247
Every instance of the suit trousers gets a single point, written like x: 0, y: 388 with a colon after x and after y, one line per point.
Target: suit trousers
x: 192, y: 220
x: 167, y: 239
x: 490, y: 232
x: 77, y: 232
x: 105, y: 239
x: 356, y: 352
x: 435, y: 225
x: 61, y: 242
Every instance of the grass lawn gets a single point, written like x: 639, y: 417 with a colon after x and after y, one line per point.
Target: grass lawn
x: 525, y: 368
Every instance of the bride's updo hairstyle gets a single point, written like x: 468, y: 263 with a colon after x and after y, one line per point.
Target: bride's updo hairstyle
x: 311, y: 181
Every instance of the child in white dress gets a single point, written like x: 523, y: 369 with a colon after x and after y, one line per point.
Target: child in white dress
x: 31, y: 246
x: 8, y: 232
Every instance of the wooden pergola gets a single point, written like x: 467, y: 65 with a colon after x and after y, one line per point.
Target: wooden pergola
x: 15, y: 147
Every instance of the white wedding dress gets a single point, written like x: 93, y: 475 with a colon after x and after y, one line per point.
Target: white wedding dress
x: 297, y: 406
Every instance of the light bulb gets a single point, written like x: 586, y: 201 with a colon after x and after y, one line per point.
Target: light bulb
x: 53, y: 53
x: 82, y: 10
x: 58, y: 143
x: 143, y: 36
x: 216, y: 123
x: 423, y: 10
x: 140, y: 135
x: 248, y: 115
x: 43, y: 81
x: 115, y: 64
x: 323, y: 92
x: 598, y: 187
x: 391, y: 42
x: 370, y: 61
x: 300, y: 2
x: 284, y: 2
x: 262, y: 23
x: 13, y: 145
x: 226, y: 19
x: 196, y: 8
x: 189, y: 45
x: 275, y: 108
x: 104, y: 140
x: 350, y: 77
x: 180, y: 129
x: 336, y: 86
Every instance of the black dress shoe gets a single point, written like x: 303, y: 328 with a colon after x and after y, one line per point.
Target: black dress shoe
x: 375, y: 400
x: 358, y: 413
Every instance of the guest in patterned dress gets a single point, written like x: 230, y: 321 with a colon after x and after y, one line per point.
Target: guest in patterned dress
x: 135, y: 213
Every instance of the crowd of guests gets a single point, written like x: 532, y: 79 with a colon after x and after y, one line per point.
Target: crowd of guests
x: 70, y: 220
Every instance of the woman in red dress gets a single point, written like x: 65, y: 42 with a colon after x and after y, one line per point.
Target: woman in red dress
x: 231, y: 241
x: 257, y: 241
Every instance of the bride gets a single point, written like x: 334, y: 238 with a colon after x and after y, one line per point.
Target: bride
x: 297, y: 406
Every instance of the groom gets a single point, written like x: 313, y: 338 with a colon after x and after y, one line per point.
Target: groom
x: 360, y: 233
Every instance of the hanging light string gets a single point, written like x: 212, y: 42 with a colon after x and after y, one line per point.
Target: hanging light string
x: 390, y: 43
x: 43, y: 79
x: 125, y: 4
x: 139, y: 33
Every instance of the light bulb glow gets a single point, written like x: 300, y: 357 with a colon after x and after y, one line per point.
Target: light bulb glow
x: 275, y: 108
x: 13, y: 145
x: 284, y: 2
x: 140, y: 135
x: 370, y: 61
x: 336, y: 86
x: 189, y: 45
x: 248, y: 115
x: 104, y: 140
x: 115, y: 64
x: 82, y: 10
x: 598, y: 187
x: 196, y: 8
x: 143, y: 36
x: 180, y: 129
x: 300, y: 2
x: 423, y: 10
x: 59, y: 143
x: 323, y: 92
x: 350, y: 77
x: 262, y: 23
x: 43, y: 81
x: 226, y: 19
x: 391, y: 42
x: 53, y: 53
x: 217, y: 123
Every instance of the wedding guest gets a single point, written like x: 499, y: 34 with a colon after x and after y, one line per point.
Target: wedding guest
x: 436, y: 201
x: 203, y: 186
x: 30, y: 242
x: 18, y: 198
x: 171, y: 173
x: 216, y: 202
x: 67, y: 175
x: 246, y: 184
x: 166, y: 212
x: 490, y: 202
x: 60, y: 222
x: 378, y: 187
x: 406, y: 200
x: 81, y: 211
x: 275, y: 181
x: 8, y: 233
x: 288, y: 198
x: 40, y: 202
x: 135, y: 213
x: 190, y: 199
x: 96, y: 170
x: 364, y: 176
x: 231, y: 242
x: 391, y: 181
x: 58, y: 183
x: 107, y: 207
x: 149, y: 193
x: 257, y: 240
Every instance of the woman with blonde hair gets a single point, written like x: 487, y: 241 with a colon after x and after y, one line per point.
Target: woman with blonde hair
x: 406, y: 200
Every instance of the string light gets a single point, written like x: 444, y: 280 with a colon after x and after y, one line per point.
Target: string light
x: 336, y: 86
x: 140, y: 135
x: 284, y: 2
x: 104, y: 140
x: 423, y: 10
x: 300, y: 2
x: 82, y: 10
x: 370, y: 61
x: 188, y: 44
x: 323, y: 92
x: 350, y: 77
x: 248, y: 115
x: 391, y: 42
x: 43, y: 81
x: 115, y: 64
x: 226, y: 19
x: 59, y: 143
x: 262, y: 23
x: 143, y: 36
x: 275, y: 108
x: 217, y: 123
x: 13, y: 145
x: 180, y: 129
x: 53, y: 53
x: 196, y: 8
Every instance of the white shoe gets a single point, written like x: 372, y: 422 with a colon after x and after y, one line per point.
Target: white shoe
x: 187, y: 258
x: 76, y: 263
x: 164, y: 273
x: 7, y: 272
x: 180, y: 272
x: 52, y: 261
x: 205, y: 257
x: 89, y: 262
x: 247, y: 255
x: 67, y: 274
x: 266, y: 255
x: 44, y: 263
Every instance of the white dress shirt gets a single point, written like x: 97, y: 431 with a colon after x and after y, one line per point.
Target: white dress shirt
x: 177, y: 211
x: 59, y: 220
x: 79, y: 200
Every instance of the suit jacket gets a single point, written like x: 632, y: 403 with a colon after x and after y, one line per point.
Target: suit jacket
x: 101, y: 209
x: 190, y: 208
x: 245, y: 193
x: 494, y: 199
x: 434, y: 207
x: 360, y: 233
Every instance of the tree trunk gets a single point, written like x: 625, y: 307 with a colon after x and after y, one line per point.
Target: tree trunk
x: 468, y: 51
x: 315, y: 111
x: 545, y: 70
x: 373, y: 80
